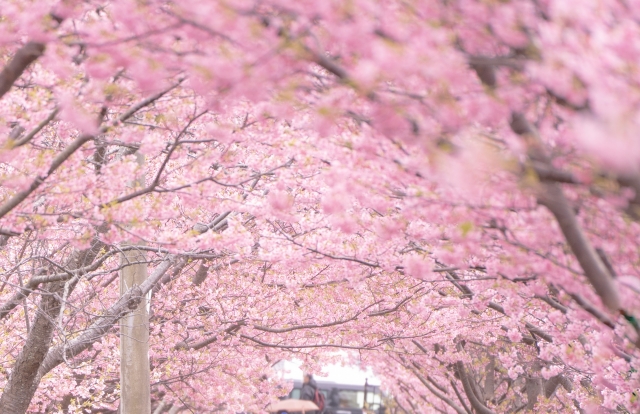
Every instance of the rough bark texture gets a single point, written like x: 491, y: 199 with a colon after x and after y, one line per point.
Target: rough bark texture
x: 24, y: 379
x: 22, y: 383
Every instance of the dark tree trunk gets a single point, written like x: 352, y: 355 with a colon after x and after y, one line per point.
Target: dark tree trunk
x: 24, y: 379
x: 22, y: 384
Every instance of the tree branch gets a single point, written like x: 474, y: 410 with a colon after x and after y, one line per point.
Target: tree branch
x: 27, y: 138
x: 26, y: 55
x: 584, y: 304
x: 72, y: 148
x: 552, y: 302
x: 468, y: 389
x: 533, y: 388
x: 57, y: 162
x: 552, y: 197
x: 595, y: 271
x: 324, y: 325
x: 632, y: 181
x: 538, y: 332
x: 552, y: 174
x: 269, y: 345
x: 102, y: 324
x: 552, y: 384
x: 437, y: 393
x: 462, y: 401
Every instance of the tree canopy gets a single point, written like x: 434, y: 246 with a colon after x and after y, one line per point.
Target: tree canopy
x: 450, y: 190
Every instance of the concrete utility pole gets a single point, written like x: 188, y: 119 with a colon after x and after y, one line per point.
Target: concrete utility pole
x: 135, y: 395
x: 365, y: 404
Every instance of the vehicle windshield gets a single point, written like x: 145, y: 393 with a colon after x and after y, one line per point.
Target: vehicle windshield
x: 341, y: 398
x: 346, y: 399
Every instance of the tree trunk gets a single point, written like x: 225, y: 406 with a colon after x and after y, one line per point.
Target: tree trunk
x: 24, y: 379
x: 23, y: 382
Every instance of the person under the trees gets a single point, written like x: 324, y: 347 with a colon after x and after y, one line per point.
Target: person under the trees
x: 308, y: 392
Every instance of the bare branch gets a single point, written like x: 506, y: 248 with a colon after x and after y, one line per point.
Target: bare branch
x: 330, y: 66
x: 533, y: 387
x: 489, y: 382
x: 453, y: 278
x: 506, y: 61
x: 395, y: 308
x: 550, y: 173
x: 8, y: 233
x: 551, y: 385
x: 197, y: 345
x: 496, y: 307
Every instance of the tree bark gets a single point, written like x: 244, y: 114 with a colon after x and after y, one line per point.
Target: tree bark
x: 438, y: 394
x: 104, y: 323
x: 533, y: 387
x: 17, y: 65
x: 597, y: 273
x: 552, y: 197
x: 477, y: 405
x: 23, y: 381
x: 489, y: 382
